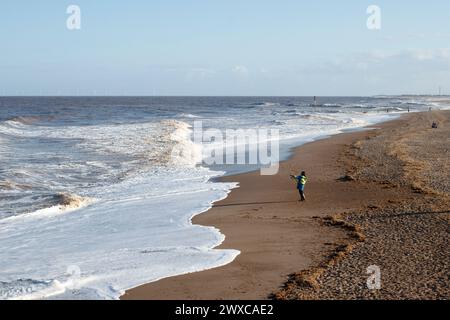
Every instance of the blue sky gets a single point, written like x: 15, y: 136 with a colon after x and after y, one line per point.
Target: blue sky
x: 224, y: 47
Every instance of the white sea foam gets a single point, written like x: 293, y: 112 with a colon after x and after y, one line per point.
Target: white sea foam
x: 184, y: 151
x: 124, y: 239
x: 136, y: 230
x: 152, y: 141
x: 187, y: 115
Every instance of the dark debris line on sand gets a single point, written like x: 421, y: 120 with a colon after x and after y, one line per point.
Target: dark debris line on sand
x: 408, y: 237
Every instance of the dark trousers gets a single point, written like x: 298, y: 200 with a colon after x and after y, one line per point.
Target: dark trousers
x: 302, y: 194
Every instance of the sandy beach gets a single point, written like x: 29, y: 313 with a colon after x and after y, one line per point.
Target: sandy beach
x: 377, y: 197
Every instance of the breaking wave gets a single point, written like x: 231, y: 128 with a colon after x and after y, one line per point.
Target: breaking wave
x: 265, y: 104
x: 60, y: 203
x: 184, y: 152
x: 107, y: 154
x: 26, y: 119
x: 187, y: 115
x: 158, y: 143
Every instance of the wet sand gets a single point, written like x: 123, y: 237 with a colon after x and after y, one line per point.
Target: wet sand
x: 280, y: 239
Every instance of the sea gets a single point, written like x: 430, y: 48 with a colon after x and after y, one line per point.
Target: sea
x: 94, y: 200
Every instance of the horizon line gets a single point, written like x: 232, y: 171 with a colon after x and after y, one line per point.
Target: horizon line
x: 222, y: 96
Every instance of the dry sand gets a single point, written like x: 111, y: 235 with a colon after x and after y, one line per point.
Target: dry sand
x: 384, y: 213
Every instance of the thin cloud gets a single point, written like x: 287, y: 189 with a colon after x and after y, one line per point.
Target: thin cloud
x: 200, y: 73
x: 240, y: 70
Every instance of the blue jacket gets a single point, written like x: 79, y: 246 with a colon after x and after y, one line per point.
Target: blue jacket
x: 301, y: 181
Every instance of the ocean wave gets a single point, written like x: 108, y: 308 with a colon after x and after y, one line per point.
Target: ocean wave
x: 317, y: 117
x: 28, y: 120
x: 414, y: 102
x: 265, y: 104
x: 164, y: 143
x: 62, y: 203
x: 24, y: 119
x: 18, y: 127
x: 355, y: 121
x: 104, y: 156
x: 187, y: 115
x: 184, y: 151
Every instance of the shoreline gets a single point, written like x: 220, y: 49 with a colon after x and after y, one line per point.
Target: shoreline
x: 275, y: 234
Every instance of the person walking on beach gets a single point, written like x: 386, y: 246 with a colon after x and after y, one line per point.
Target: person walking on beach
x: 301, y: 182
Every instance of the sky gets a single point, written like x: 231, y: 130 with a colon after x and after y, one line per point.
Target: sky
x: 224, y: 48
